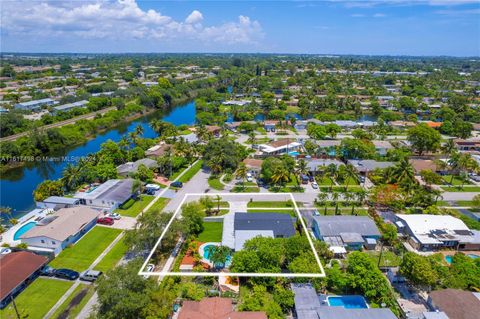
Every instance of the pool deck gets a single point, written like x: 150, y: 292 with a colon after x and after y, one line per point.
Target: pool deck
x: 465, y: 252
x: 9, y: 236
x: 201, y: 251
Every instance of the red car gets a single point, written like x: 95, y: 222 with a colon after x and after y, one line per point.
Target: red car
x: 105, y: 221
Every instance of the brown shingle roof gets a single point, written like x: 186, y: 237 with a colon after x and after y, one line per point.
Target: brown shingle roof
x: 252, y: 162
x: 16, y: 267
x: 421, y: 164
x: 215, y: 308
x: 280, y: 143
x: 457, y: 304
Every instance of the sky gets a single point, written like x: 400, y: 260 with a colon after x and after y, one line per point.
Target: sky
x: 367, y: 27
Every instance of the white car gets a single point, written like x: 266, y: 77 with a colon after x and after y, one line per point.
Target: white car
x: 113, y: 216
x: 314, y: 185
x: 154, y: 187
x: 5, y: 251
x: 249, y: 179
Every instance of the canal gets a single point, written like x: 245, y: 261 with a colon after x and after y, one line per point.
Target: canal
x: 17, y: 185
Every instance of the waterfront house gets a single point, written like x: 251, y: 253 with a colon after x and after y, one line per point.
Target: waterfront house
x: 55, y: 232
x: 108, y: 195
x: 17, y: 270
x: 159, y: 150
x: 131, y: 168
x: 57, y: 202
x: 433, y: 232
x: 352, y: 232
x: 240, y: 227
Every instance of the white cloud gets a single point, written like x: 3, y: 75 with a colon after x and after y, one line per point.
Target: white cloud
x: 120, y: 19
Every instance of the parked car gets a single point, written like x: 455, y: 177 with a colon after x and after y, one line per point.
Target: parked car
x: 362, y: 179
x: 66, y: 274
x: 249, y: 177
x: 314, y: 185
x: 154, y: 187
x: 149, y: 268
x: 115, y: 216
x: 105, y: 221
x: 177, y: 184
x: 316, y: 213
x: 304, y: 179
x: 90, y: 275
x: 311, y: 178
x: 47, y: 271
x: 5, y: 251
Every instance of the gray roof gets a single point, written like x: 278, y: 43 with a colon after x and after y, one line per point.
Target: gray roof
x: 435, y: 315
x: 117, y: 190
x: 190, y: 138
x: 351, y: 238
x: 342, y: 313
x: 61, y: 200
x: 280, y: 224
x: 369, y: 165
x: 316, y: 164
x: 338, y: 225
x: 132, y: 167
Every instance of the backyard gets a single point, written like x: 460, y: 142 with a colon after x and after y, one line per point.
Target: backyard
x: 37, y: 299
x: 212, y: 232
x: 82, y: 254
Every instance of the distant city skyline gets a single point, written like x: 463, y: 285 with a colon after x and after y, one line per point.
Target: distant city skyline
x: 367, y: 27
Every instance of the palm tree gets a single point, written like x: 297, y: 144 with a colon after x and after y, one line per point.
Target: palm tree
x: 203, y: 134
x: 139, y: 130
x: 301, y: 169
x: 350, y: 174
x: 361, y: 196
x: 280, y: 176
x: 252, y: 138
x: 71, y: 176
x: 242, y: 172
x: 215, y: 165
x: 156, y: 125
x: 349, y: 198
x: 332, y: 172
x: 449, y: 147
x: 404, y: 174
x: 335, y: 196
x: 219, y: 255
x: 218, y: 199
x: 323, y: 197
x: 7, y: 211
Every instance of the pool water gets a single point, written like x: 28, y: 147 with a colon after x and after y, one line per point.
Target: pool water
x: 206, y: 254
x: 473, y: 256
x: 293, y: 153
x: 348, y: 302
x: 449, y: 259
x: 22, y: 230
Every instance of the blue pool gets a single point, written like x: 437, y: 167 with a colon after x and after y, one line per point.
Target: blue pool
x: 473, y: 256
x: 293, y: 153
x: 22, y: 230
x: 206, y: 254
x: 449, y: 258
x: 348, y: 302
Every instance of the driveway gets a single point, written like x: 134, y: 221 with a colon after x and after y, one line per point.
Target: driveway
x: 123, y: 223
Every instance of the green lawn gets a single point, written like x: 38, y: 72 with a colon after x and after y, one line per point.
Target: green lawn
x: 283, y: 211
x: 37, y: 299
x: 191, y: 172
x: 212, y: 232
x: 456, y: 181
x: 388, y: 258
x: 323, y: 181
x: 83, y: 293
x: 247, y: 189
x: 459, y: 189
x: 112, y: 257
x: 80, y: 256
x: 268, y: 204
x: 134, y: 207
x: 159, y: 204
x: 215, y: 184
x: 464, y: 203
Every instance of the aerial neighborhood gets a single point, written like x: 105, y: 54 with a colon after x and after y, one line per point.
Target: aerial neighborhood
x: 239, y: 186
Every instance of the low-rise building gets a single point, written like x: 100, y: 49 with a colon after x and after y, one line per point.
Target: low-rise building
x: 254, y: 166
x: 17, y: 270
x: 34, y: 105
x: 280, y: 147
x: 382, y: 147
x: 159, y: 150
x: 108, y: 195
x: 70, y: 106
x: 317, y: 165
x: 63, y: 228
x: 365, y: 166
x: 433, y: 232
x: 240, y: 227
x: 130, y: 168
x: 455, y: 303
x: 57, y: 202
x: 215, y: 308
x: 352, y: 232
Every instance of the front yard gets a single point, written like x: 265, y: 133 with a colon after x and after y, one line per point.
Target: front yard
x: 37, y: 299
x: 212, y: 232
x: 466, y: 188
x: 72, y: 306
x: 133, y: 207
x: 112, y: 257
x: 81, y: 255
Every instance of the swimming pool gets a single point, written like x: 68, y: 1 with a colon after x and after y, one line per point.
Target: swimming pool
x: 207, y: 249
x: 449, y: 259
x: 348, y: 302
x: 22, y: 230
x: 473, y: 256
x: 293, y: 153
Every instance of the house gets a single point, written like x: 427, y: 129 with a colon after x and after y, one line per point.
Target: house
x: 352, y: 232
x: 215, y: 308
x: 317, y: 164
x: 69, y: 106
x: 401, y: 124
x: 108, y: 195
x: 270, y: 125
x: 130, y: 168
x: 17, y: 270
x: 34, y: 105
x: 433, y: 124
x: 240, y: 227
x: 432, y: 232
x: 254, y: 166
x: 158, y: 150
x: 63, y: 228
x: 309, y: 305
x: 57, y: 202
x: 382, y: 147
x: 365, y: 166
x: 214, y: 130
x: 468, y: 145
x: 190, y: 138
x: 328, y: 147
x: 455, y: 303
x: 279, y: 147
x: 300, y: 125
x: 422, y: 165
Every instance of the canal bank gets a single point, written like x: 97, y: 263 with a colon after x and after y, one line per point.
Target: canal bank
x: 18, y: 184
